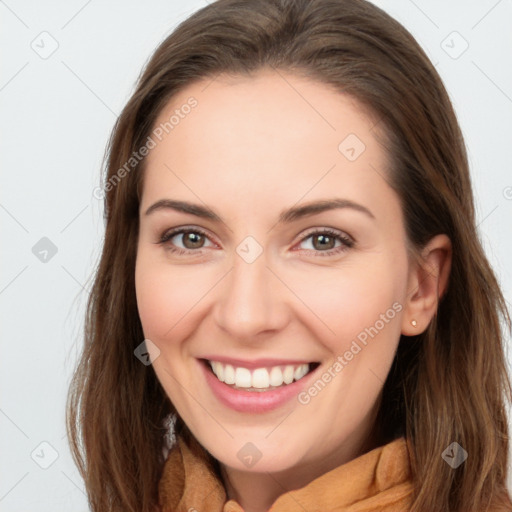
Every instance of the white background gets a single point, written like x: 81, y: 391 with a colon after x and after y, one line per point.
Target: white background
x: 57, y: 113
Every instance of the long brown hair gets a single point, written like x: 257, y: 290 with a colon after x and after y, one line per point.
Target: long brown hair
x: 447, y: 384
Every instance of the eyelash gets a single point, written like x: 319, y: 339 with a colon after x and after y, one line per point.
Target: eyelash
x: 347, y: 242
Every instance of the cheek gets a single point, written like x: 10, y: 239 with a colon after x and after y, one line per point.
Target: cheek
x: 348, y: 300
x: 157, y: 297
x: 167, y: 295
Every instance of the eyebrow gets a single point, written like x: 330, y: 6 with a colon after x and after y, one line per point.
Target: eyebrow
x: 286, y: 216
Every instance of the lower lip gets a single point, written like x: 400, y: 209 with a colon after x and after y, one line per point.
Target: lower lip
x: 253, y: 401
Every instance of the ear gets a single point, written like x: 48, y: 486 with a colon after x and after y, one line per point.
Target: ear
x: 426, y: 285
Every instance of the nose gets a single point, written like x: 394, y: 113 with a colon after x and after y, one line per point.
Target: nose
x: 251, y: 301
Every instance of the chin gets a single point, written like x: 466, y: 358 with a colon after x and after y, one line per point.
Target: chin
x: 257, y: 457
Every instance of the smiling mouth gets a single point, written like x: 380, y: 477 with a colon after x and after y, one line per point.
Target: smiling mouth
x: 259, y: 379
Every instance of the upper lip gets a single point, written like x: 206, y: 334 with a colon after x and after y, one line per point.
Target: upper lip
x: 256, y: 363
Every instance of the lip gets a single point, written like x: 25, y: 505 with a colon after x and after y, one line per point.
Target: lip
x: 255, y: 402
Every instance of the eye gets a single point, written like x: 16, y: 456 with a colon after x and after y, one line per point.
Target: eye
x: 323, y: 240
x: 192, y: 239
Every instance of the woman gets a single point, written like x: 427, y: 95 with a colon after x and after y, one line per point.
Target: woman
x: 226, y: 367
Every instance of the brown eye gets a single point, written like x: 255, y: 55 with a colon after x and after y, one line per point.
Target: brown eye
x: 327, y: 242
x: 184, y: 241
x: 322, y: 241
x: 192, y: 239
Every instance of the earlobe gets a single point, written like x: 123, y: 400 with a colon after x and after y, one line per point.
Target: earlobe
x: 428, y: 282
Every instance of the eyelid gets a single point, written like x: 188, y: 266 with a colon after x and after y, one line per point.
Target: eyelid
x: 326, y: 229
x: 171, y: 233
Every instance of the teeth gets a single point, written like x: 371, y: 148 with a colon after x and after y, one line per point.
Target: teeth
x: 300, y: 371
x: 288, y: 374
x: 243, y: 378
x: 276, y: 376
x: 218, y: 370
x: 260, y: 378
x: 229, y: 374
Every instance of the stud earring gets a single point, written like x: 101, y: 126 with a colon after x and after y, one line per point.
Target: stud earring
x: 414, y: 323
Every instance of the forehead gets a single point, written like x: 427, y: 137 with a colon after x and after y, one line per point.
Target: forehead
x: 273, y: 134
x: 253, y: 110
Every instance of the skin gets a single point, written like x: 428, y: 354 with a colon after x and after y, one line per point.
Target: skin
x: 251, y: 148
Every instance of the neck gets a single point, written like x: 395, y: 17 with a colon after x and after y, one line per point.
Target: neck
x: 256, y: 492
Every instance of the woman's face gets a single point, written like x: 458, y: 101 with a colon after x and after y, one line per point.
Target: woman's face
x: 263, y: 280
